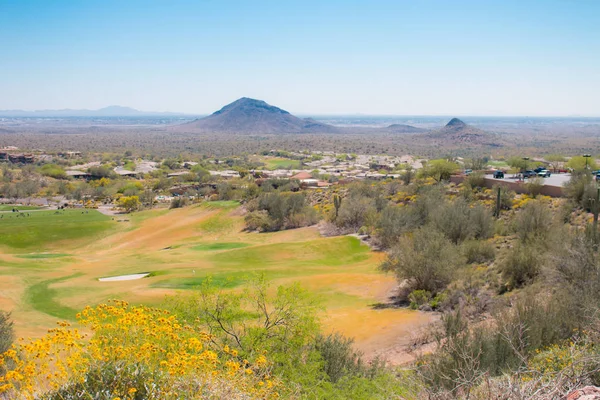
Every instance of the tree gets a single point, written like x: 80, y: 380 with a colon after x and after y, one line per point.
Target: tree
x: 440, y: 170
x: 408, y: 175
x: 580, y: 163
x: 519, y: 164
x: 129, y: 203
x: 555, y: 160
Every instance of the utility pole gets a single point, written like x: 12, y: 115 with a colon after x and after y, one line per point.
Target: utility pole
x: 587, y: 157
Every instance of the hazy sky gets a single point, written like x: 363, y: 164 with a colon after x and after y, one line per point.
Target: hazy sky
x: 402, y: 57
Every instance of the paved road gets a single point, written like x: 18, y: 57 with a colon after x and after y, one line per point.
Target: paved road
x: 553, y: 180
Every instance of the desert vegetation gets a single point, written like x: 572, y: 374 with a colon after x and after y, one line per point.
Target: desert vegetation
x: 263, y: 275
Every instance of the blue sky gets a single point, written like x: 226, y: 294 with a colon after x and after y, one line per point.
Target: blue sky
x: 403, y: 57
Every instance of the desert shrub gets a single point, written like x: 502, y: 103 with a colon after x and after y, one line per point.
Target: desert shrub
x: 533, y: 222
x: 257, y: 221
x: 506, y: 197
x: 429, y: 200
x: 178, y: 202
x: 280, y: 211
x: 305, y: 217
x: 475, y: 180
x: 534, y: 186
x: 482, y: 222
x: 581, y: 188
x: 577, y: 265
x: 356, y: 211
x: 282, y: 323
x: 7, y: 335
x: 459, y: 222
x: 521, y: 266
x: 427, y: 259
x: 53, y: 171
x: 408, y: 175
x: 393, y: 223
x: 453, y: 220
x: 110, y: 380
x: 227, y: 192
x: 129, y: 203
x: 419, y: 298
x: 478, y: 251
x: 340, y: 358
x: 466, y: 355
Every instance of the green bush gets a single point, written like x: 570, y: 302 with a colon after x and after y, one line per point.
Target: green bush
x: 356, y: 211
x: 178, y: 202
x: 419, y: 298
x: 428, y: 260
x: 465, y: 355
x: 340, y: 359
x: 506, y: 197
x: 393, y: 223
x: 274, y: 211
x: 53, y: 171
x: 521, y: 266
x: 533, y: 222
x: 459, y: 222
x: 475, y: 180
x: 478, y: 251
x: 7, y: 335
x: 534, y: 186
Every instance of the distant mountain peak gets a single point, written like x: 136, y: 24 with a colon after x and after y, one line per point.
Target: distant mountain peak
x: 456, y: 123
x: 247, y: 104
x: 456, y: 132
x: 248, y: 115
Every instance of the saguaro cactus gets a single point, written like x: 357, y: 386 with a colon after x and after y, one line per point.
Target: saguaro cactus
x: 337, y: 203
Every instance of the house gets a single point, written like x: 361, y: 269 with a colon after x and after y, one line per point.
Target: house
x: 21, y: 158
x: 302, y: 176
x: 124, y: 172
x: 175, y: 174
x: 226, y: 174
x: 78, y: 174
x: 69, y: 154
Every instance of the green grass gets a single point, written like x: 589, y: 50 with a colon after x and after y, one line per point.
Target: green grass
x: 498, y: 164
x: 282, y: 163
x: 221, y: 204
x: 222, y: 281
x: 275, y: 261
x: 9, y: 207
x: 216, y: 223
x: 42, y: 298
x: 43, y: 228
x: 330, y: 252
x: 36, y: 256
x: 219, y: 246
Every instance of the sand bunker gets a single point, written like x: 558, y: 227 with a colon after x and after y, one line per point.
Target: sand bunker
x: 124, y: 277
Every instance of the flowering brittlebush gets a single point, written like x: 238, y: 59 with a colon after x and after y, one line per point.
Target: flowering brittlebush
x: 150, y: 338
